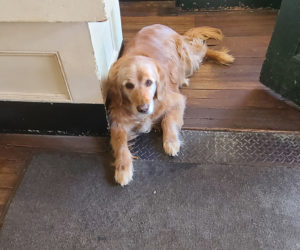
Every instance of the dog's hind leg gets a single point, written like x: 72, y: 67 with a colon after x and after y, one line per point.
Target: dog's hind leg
x: 220, y: 56
x: 205, y: 33
x: 186, y: 82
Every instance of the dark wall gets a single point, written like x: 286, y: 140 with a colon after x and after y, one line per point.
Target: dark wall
x: 281, y: 69
x: 216, y: 4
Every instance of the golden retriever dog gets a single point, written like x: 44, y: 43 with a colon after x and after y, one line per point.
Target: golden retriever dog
x: 143, y: 87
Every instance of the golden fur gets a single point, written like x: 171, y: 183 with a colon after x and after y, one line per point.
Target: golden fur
x: 143, y: 87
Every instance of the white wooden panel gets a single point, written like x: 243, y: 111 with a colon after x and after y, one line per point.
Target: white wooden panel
x: 86, y: 49
x: 35, y: 77
x: 52, y: 10
x: 105, y: 50
x: 73, y: 43
x: 107, y: 39
x: 98, y: 33
x: 115, y: 23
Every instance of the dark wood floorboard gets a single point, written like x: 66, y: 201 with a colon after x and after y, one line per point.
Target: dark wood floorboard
x: 13, y: 162
x: 149, y: 8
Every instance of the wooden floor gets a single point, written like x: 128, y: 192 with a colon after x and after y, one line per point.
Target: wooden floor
x: 13, y: 161
x: 219, y: 97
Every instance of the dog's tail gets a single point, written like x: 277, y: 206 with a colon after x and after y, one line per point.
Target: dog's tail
x: 205, y: 33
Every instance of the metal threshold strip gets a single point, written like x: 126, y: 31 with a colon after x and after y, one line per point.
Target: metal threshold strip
x: 223, y: 147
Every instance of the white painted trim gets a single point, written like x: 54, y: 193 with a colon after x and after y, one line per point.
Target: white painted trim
x: 39, y: 97
x: 53, y: 10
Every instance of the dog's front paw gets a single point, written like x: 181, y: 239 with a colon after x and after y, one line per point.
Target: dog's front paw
x: 123, y: 173
x: 172, y: 147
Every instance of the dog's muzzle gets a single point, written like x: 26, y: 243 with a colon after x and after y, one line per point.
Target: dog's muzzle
x: 143, y: 108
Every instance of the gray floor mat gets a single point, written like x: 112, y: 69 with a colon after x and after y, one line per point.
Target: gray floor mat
x: 68, y: 201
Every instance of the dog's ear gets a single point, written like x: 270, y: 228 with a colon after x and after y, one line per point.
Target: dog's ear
x: 111, y: 89
x: 114, y: 95
x: 161, y: 83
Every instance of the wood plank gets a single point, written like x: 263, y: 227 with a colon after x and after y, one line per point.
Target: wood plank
x: 4, y: 196
x: 9, y: 180
x: 2, y: 214
x: 238, y: 118
x: 231, y: 103
x: 11, y: 166
x: 148, y: 8
x: 244, y: 46
x: 252, y: 64
x: 131, y: 25
x: 11, y: 174
x: 215, y: 84
x: 83, y: 144
x: 243, y: 70
x: 258, y: 98
x: 239, y: 23
x: 14, y: 153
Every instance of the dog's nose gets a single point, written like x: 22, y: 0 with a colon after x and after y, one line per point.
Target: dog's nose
x: 143, y: 108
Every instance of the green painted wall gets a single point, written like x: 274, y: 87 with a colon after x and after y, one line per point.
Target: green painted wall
x: 281, y: 69
x: 216, y: 4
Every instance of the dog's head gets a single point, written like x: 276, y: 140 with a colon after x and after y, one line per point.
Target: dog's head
x: 135, y: 82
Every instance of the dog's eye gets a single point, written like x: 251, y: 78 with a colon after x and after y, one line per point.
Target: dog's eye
x: 148, y: 83
x: 129, y: 85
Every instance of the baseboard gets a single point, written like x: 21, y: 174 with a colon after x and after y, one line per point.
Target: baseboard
x: 52, y: 118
